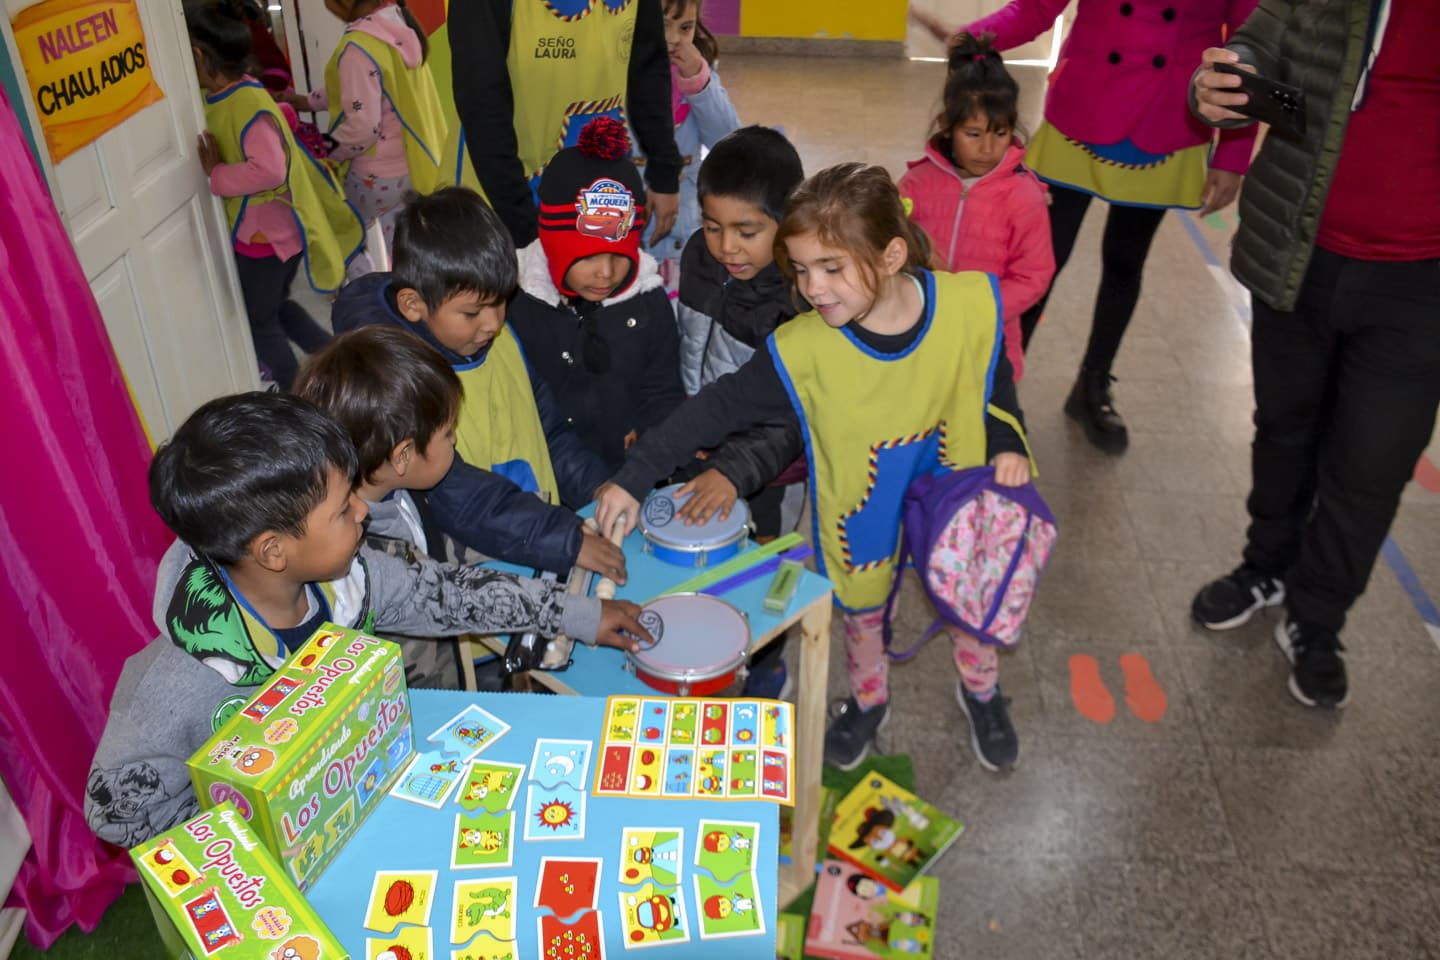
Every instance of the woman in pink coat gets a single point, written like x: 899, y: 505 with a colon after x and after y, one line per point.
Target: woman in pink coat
x: 981, y: 207
x: 1118, y: 126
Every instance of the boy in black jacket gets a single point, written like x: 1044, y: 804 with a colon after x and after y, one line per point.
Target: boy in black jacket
x: 592, y: 312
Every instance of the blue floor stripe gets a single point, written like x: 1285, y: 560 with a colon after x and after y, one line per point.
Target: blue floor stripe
x: 1391, y: 551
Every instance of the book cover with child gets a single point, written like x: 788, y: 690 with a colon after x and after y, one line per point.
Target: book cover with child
x: 855, y: 917
x: 889, y: 833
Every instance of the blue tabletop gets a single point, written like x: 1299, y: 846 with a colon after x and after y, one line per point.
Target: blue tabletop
x: 602, y: 671
x: 400, y: 836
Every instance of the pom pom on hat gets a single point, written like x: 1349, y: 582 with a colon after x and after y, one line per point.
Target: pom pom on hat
x: 604, y: 138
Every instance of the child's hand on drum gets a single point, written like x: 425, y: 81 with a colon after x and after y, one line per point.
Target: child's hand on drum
x: 1011, y: 469
x: 710, y: 493
x: 620, y: 626
x: 610, y: 502
x: 601, y: 556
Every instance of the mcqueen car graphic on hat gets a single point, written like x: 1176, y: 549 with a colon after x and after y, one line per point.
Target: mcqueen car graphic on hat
x: 605, y: 210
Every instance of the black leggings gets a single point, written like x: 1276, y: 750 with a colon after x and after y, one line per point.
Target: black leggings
x: 1129, y: 232
x: 275, y: 319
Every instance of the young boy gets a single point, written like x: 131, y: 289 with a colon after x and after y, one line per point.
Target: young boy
x: 454, y: 270
x: 398, y: 399
x: 593, y: 314
x: 733, y: 296
x: 259, y: 488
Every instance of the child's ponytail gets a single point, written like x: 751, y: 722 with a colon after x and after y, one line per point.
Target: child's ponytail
x: 414, y: 24
x: 978, y: 85
x: 857, y: 208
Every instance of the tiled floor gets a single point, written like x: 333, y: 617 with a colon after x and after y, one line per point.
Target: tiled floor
x: 1239, y: 825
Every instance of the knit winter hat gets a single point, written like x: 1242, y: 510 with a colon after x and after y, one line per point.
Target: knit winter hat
x: 592, y: 201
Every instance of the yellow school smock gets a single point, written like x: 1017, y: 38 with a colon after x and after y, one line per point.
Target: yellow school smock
x: 411, y: 91
x: 873, y: 422
x: 566, y: 69
x: 499, y: 426
x: 330, y: 229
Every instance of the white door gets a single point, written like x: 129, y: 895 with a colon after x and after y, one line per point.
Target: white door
x: 153, y: 240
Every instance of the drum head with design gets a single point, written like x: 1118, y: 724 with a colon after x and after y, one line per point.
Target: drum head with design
x: 696, y: 637
x: 661, y: 522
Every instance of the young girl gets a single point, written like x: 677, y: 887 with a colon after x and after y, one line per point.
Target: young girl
x: 385, y: 115
x: 896, y: 371
x: 283, y: 206
x: 972, y: 194
x: 703, y: 115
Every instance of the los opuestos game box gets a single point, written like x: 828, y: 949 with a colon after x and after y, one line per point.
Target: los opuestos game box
x: 314, y: 751
x: 217, y: 892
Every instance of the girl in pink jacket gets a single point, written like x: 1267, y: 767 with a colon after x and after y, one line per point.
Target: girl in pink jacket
x: 981, y: 207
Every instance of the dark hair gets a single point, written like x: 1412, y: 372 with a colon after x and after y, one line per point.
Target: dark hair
x: 978, y: 85
x: 705, y: 41
x: 755, y: 164
x: 220, y: 30
x: 245, y: 464
x: 450, y: 242
x: 410, y: 22
x: 874, y: 817
x: 853, y: 207
x: 384, y: 385
x: 853, y: 881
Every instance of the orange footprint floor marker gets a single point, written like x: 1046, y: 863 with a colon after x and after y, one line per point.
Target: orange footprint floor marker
x: 1427, y: 474
x: 1142, y: 693
x: 1088, y: 691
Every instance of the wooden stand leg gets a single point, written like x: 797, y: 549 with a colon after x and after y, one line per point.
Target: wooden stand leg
x: 809, y: 747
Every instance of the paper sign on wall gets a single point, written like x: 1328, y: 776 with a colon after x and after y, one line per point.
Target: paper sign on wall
x: 87, y: 67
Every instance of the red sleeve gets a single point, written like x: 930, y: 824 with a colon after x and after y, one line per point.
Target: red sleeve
x: 1019, y: 21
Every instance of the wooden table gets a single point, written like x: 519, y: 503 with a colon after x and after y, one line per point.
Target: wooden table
x: 603, y: 671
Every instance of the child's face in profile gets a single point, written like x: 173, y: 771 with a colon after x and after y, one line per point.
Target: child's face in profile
x: 433, y: 460
x: 332, y: 533
x: 739, y: 234
x: 978, y: 144
x: 595, y: 278
x: 464, y: 323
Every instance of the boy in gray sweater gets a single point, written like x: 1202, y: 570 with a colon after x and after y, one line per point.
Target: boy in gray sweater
x: 260, y: 490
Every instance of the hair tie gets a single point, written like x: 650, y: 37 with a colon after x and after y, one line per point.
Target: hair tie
x: 909, y: 206
x: 979, y: 57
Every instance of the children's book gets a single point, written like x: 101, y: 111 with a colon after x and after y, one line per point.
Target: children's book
x: 889, y: 833
x: 789, y: 937
x: 855, y: 917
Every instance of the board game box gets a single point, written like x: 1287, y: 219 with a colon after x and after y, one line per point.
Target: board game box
x: 216, y: 891
x: 314, y: 751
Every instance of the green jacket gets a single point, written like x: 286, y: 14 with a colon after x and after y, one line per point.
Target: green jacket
x: 1318, y: 46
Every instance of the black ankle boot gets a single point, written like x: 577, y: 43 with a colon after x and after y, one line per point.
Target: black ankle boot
x: 1091, y: 404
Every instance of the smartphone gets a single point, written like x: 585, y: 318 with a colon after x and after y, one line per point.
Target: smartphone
x: 1278, y: 104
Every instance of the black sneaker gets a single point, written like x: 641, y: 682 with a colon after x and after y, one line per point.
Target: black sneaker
x: 770, y: 684
x: 1317, y: 664
x: 1234, y: 598
x: 1090, y: 402
x: 851, y: 732
x: 991, y: 734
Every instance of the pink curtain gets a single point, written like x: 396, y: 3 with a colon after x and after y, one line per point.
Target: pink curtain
x: 78, y: 547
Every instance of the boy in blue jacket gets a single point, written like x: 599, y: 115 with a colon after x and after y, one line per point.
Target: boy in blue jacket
x: 454, y: 269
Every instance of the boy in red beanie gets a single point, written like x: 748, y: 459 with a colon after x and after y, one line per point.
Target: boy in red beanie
x: 593, y: 314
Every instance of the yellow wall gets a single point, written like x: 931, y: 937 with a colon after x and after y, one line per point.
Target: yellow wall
x: 853, y: 19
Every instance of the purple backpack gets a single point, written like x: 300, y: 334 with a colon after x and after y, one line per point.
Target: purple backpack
x: 978, y: 548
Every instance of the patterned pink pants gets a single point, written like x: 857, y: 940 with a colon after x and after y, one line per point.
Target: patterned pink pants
x: 978, y: 663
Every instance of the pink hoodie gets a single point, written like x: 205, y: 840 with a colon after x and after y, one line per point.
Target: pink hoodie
x: 370, y: 118
x: 1001, y: 226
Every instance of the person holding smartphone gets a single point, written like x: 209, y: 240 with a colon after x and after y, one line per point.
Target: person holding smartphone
x: 1339, y: 244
